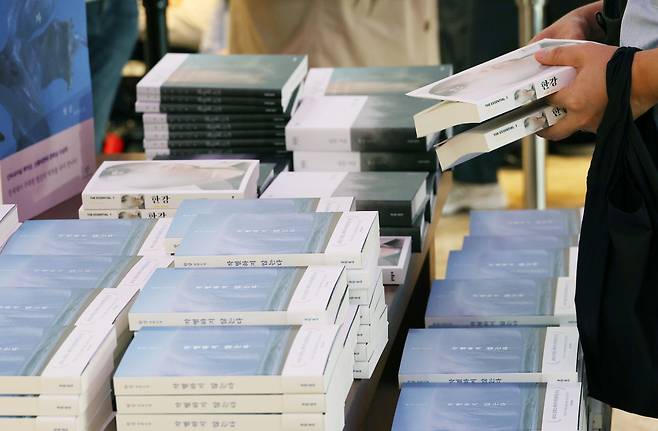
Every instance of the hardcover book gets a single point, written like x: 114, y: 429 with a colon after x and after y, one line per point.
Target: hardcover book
x: 394, y: 258
x: 353, y: 161
x: 491, y: 88
x: 490, y: 355
x: 263, y: 76
x: 237, y: 240
x: 191, y: 208
x: 399, y: 197
x: 501, y: 302
x: 8, y: 222
x: 555, y: 222
x: 507, y: 264
x: 241, y: 297
x: 229, y: 360
x: 164, y: 184
x: 357, y: 123
x: 464, y: 407
x: 329, y: 81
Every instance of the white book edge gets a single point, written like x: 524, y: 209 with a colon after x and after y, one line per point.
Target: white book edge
x: 149, y: 86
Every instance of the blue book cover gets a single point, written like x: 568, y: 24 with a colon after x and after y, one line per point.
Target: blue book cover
x: 63, y: 272
x: 43, y: 47
x: 79, y: 237
x: 490, y: 264
x: 189, y: 209
x: 206, y: 352
x: 42, y: 308
x: 448, y: 351
x: 525, y: 222
x: 258, y: 234
x: 24, y: 351
x: 217, y: 290
x: 519, y: 242
x: 465, y: 407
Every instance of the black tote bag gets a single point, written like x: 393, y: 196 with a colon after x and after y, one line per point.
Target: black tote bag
x: 617, y: 284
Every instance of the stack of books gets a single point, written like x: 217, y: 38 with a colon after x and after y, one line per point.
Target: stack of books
x: 394, y: 258
x: 505, y: 97
x: 400, y: 198
x: 154, y: 189
x: 196, y: 103
x: 260, y: 377
x: 8, y: 222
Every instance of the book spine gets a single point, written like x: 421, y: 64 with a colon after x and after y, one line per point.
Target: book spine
x: 243, y: 144
x: 163, y: 118
x: 388, y: 139
x: 128, y: 213
x: 237, y: 422
x: 488, y: 378
x: 212, y: 135
x: 415, y: 232
x: 215, y: 100
x: 562, y: 407
x: 490, y: 321
x: 391, y: 213
x: 220, y: 92
x: 150, y: 86
x: 166, y: 128
x: 533, y: 122
x: 182, y: 108
x: 561, y: 347
x: 394, y: 276
x: 153, y: 153
x: 43, y: 405
x: 363, y: 280
x: 216, y: 385
x: 258, y: 261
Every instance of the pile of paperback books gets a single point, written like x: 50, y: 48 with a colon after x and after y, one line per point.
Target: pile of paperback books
x: 8, y: 222
x: 404, y: 200
x: 501, y: 347
x: 506, y: 97
x: 155, y: 188
x: 196, y: 103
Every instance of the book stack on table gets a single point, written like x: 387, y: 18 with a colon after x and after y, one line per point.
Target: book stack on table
x: 504, y: 319
x: 8, y: 222
x: 197, y: 103
x: 154, y: 189
x: 394, y: 258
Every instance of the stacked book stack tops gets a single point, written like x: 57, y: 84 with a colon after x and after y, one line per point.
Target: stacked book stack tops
x: 196, y: 103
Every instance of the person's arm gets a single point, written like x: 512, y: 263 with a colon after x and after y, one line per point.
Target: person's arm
x: 578, y: 24
x: 644, y: 84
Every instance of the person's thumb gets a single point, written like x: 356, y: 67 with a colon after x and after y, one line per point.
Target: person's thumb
x: 559, y: 56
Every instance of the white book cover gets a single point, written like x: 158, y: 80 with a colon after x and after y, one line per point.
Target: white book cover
x: 394, y: 258
x: 365, y: 370
x: 84, y: 213
x: 164, y: 184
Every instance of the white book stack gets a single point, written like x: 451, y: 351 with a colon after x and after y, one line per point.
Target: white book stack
x: 8, y: 222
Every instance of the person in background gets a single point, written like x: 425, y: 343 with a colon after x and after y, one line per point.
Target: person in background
x: 112, y: 33
x: 338, y: 33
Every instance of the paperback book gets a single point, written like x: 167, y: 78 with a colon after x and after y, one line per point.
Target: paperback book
x: 190, y: 153
x: 244, y: 144
x: 240, y: 297
x: 394, y: 258
x: 210, y: 121
x: 399, y: 197
x: 555, y: 222
x: 85, y: 214
x: 501, y: 302
x: 354, y: 161
x: 236, y: 240
x: 8, y: 222
x: 191, y: 208
x: 417, y: 232
x: 265, y: 132
x: 519, y: 242
x: 164, y: 184
x: 464, y: 407
x: 490, y: 355
x: 508, y: 264
x: 43, y: 307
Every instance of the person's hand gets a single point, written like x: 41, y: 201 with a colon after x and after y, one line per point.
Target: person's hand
x: 579, y: 24
x: 586, y: 98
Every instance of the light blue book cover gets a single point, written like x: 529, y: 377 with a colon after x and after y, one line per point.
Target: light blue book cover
x: 189, y: 209
x: 79, y: 237
x: 472, y: 351
x: 497, y: 297
x: 489, y: 264
x: 42, y: 308
x: 257, y: 234
x: 519, y: 242
x: 525, y: 222
x: 466, y: 407
x: 207, y: 352
x: 24, y: 351
x: 63, y: 272
x: 217, y: 290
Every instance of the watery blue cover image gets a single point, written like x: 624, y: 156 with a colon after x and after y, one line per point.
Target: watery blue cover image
x: 467, y: 407
x: 519, y: 242
x: 201, y: 352
x: 481, y: 298
x: 189, y: 209
x: 45, y: 84
x: 42, y: 308
x: 217, y: 290
x: 490, y: 264
x: 257, y: 234
x: 525, y: 222
x: 24, y: 351
x: 472, y: 350
x: 79, y: 237
x: 63, y: 272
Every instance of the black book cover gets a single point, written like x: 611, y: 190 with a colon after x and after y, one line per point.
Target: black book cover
x: 253, y: 152
x: 415, y: 231
x: 244, y: 144
x: 216, y: 118
x: 199, y: 127
x: 412, y: 162
x: 219, y: 100
x: 217, y: 135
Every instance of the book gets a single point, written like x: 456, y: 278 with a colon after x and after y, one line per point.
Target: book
x: 399, y: 197
x: 185, y: 153
x: 164, y: 184
x: 464, y: 407
x: 365, y: 370
x: 327, y: 81
x: 237, y: 240
x: 363, y: 284
x: 371, y: 332
x: 211, y: 121
x: 85, y: 214
x: 173, y: 130
x: 553, y: 222
x: 245, y: 144
x: 46, y: 113
x: 214, y: 135
x: 394, y: 258
x: 501, y: 302
x: 191, y: 208
x: 506, y: 264
x: 264, y: 76
x: 229, y: 360
x: 80, y: 237
x: 8, y: 222
x: 374, y: 309
x: 492, y: 88
x: 357, y: 123
x: 241, y: 297
x: 417, y: 232
x: 42, y: 307
x: 496, y: 133
x: 490, y: 355
x: 266, y: 174
x: 519, y: 242
x: 354, y: 161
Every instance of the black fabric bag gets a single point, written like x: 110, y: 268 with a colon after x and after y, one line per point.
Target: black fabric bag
x: 617, y: 284
x: 609, y: 19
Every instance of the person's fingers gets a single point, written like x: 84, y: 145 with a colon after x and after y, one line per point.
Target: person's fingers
x: 571, y: 55
x: 562, y: 129
x: 562, y: 98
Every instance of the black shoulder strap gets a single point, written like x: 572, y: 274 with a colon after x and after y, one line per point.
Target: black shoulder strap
x: 610, y: 19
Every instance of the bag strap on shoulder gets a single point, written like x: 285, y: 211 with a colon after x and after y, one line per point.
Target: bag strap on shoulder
x: 609, y: 19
